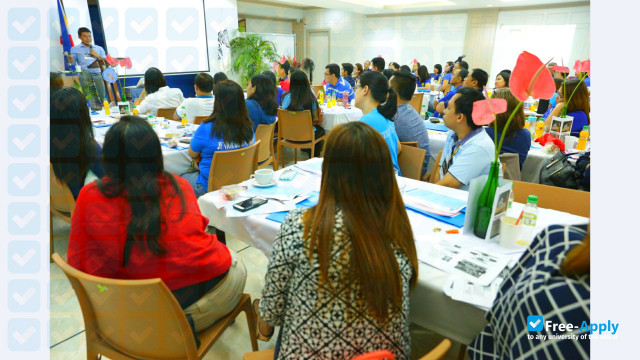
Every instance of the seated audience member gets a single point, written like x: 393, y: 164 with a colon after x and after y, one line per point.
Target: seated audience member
x: 219, y: 76
x: 408, y: 123
x: 587, y: 79
x: 405, y: 68
x: 261, y: 101
x: 300, y: 97
x: 460, y: 63
x: 579, y: 106
x: 388, y: 73
x: 367, y: 65
x: 414, y: 68
x: 456, y: 82
x: 357, y: 71
x: 335, y: 83
x: 424, y: 78
x: 279, y: 91
x: 549, y: 67
x: 468, y: 150
x: 145, y: 223
x: 228, y: 128
x: 156, y: 94
x: 446, y: 78
x: 377, y: 64
x: 55, y: 82
x: 319, y: 275
x: 551, y: 279
x: 517, y: 139
x: 394, y: 66
x: 502, y: 80
x: 308, y: 66
x: 437, y: 72
x: 347, y: 71
x: 283, y: 74
x: 378, y: 103
x: 476, y: 79
x: 202, y: 104
x: 74, y: 153
x: 553, y: 101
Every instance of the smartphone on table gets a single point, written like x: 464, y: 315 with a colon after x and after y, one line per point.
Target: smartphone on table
x: 287, y: 175
x: 250, y: 203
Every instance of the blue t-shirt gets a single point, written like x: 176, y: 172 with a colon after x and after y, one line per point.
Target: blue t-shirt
x: 257, y: 115
x: 579, y: 121
x: 280, y: 92
x: 388, y: 131
x: 286, y: 101
x: 425, y: 83
x: 445, y: 100
x: 435, y: 77
x: 351, y: 81
x: 207, y: 145
x: 447, y: 76
x: 519, y: 143
x: 341, y: 85
x: 587, y: 81
x: 472, y: 158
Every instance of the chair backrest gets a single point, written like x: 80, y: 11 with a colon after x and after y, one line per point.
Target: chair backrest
x: 551, y: 197
x: 439, y: 351
x: 316, y: 89
x: 416, y: 101
x: 61, y: 198
x: 435, y: 172
x: 410, y: 161
x: 511, y: 166
x: 376, y: 355
x: 233, y: 166
x: 264, y: 133
x: 409, y: 143
x: 140, y: 318
x: 166, y: 113
x: 295, y: 125
x: 199, y: 119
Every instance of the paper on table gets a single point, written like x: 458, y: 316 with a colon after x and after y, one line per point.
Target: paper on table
x: 460, y: 289
x: 441, y: 204
x: 271, y: 206
x: 312, y: 165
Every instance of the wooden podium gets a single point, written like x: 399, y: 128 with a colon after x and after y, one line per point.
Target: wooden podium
x: 112, y: 92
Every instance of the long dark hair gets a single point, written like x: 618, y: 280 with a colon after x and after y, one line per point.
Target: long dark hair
x: 301, y: 96
x: 133, y: 164
x: 264, y: 95
x: 72, y: 147
x: 153, y: 80
x: 357, y: 177
x: 506, y: 74
x: 231, y: 121
x: 423, y: 74
x: 381, y: 92
x: 439, y: 68
x: 309, y: 66
x: 517, y: 122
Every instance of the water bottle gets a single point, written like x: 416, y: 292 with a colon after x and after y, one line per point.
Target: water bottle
x: 584, y: 137
x: 107, y: 109
x: 530, y: 212
x: 423, y: 112
x: 184, y: 116
x: 134, y: 112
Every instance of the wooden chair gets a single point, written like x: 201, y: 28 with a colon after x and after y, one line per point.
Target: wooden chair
x: 437, y: 353
x: 551, y: 197
x: 409, y: 143
x: 434, y: 176
x: 232, y: 166
x: 410, y: 161
x: 416, y: 101
x: 316, y: 89
x: 167, y: 113
x: 61, y: 201
x: 295, y: 129
x: 133, y: 319
x: 510, y: 166
x: 197, y: 120
x: 264, y: 133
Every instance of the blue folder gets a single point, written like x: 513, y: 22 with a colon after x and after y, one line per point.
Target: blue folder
x: 306, y: 203
x: 457, y: 221
x: 436, y: 127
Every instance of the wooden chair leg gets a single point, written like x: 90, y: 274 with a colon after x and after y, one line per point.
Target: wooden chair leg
x: 251, y: 321
x: 295, y: 156
x: 313, y: 150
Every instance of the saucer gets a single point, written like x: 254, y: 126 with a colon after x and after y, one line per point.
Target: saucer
x: 255, y: 183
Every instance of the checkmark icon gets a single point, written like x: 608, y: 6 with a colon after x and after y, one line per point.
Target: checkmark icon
x: 22, y: 27
x: 23, y: 104
x: 23, y: 182
x: 22, y: 260
x: 534, y: 323
x: 181, y: 65
x: 23, y: 221
x: 23, y: 298
x: 140, y: 27
x: 61, y: 144
x: 23, y: 337
x: 23, y: 143
x: 142, y: 65
x: 182, y: 26
x: 108, y: 21
x: 22, y: 66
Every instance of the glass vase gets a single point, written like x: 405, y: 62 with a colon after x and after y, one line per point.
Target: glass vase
x: 485, y: 202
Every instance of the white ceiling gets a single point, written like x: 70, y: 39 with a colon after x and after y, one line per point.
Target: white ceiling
x: 402, y: 6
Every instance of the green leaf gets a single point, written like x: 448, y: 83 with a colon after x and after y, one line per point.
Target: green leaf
x: 251, y: 54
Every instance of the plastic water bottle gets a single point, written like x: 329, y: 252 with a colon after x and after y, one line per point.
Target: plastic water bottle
x: 539, y: 129
x: 582, y: 140
x: 107, y: 109
x: 530, y: 212
x: 321, y: 96
x: 184, y: 117
x: 423, y: 112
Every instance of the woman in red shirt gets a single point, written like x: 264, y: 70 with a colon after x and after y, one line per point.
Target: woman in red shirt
x: 140, y: 222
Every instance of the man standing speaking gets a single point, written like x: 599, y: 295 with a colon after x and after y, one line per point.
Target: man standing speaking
x: 84, y: 54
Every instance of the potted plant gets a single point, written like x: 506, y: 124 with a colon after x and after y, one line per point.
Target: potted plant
x: 251, y: 55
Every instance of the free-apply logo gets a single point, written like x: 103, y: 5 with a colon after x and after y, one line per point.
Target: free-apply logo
x: 535, y: 323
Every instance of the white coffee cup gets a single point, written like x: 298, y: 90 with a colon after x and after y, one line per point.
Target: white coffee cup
x: 570, y: 142
x: 263, y: 176
x: 511, y: 234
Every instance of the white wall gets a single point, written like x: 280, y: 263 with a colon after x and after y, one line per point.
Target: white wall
x: 77, y: 16
x: 269, y: 26
x: 268, y: 10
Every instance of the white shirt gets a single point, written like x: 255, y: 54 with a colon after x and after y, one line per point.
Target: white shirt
x: 197, y: 106
x: 164, y: 98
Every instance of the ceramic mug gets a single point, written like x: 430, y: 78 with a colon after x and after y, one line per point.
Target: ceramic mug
x: 263, y: 176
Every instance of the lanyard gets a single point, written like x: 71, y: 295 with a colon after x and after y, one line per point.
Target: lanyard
x: 447, y: 164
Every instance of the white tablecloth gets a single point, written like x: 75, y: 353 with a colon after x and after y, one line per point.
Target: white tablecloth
x: 429, y: 98
x: 175, y: 161
x: 338, y: 115
x: 430, y: 307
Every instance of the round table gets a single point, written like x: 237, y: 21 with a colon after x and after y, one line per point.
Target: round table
x: 338, y: 115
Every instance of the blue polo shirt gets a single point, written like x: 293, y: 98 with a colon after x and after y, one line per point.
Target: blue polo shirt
x: 351, y: 81
x: 435, y: 77
x: 388, y: 131
x: 448, y: 76
x: 472, y: 158
x: 424, y: 84
x: 518, y: 143
x: 257, y: 115
x: 340, y: 86
x: 445, y: 99
x: 280, y: 92
x: 82, y: 56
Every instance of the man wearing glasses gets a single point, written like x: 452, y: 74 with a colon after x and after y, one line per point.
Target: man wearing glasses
x: 335, y: 83
x: 84, y: 54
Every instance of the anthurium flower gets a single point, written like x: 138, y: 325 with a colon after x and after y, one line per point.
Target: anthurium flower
x: 111, y: 60
x: 126, y: 63
x: 281, y: 61
x: 548, y: 138
x: 561, y: 69
x: 530, y: 77
x: 484, y: 111
x: 582, y: 66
